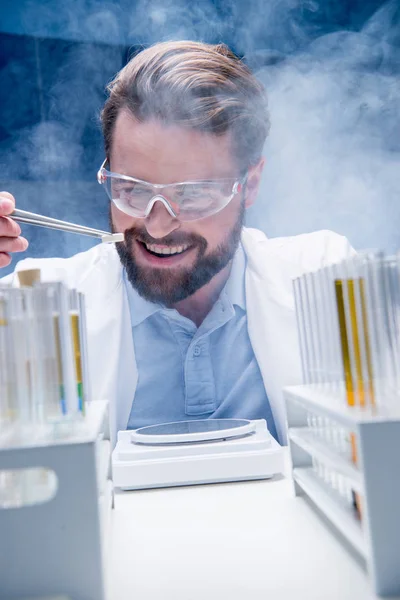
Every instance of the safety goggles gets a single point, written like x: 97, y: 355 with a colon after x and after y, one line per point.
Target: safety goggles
x: 186, y: 201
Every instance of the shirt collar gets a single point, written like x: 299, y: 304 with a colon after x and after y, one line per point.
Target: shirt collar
x: 140, y: 308
x: 234, y: 289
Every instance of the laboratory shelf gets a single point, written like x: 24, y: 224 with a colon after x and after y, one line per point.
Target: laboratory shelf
x: 320, y: 450
x: 79, y: 430
x: 335, y: 509
x: 323, y: 401
x: 66, y: 529
x: 375, y: 477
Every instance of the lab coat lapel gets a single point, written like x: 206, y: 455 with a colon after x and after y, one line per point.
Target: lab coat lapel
x: 112, y: 364
x: 272, y: 322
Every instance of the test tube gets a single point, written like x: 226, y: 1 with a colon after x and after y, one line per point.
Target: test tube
x: 319, y: 326
x: 368, y: 262
x: 32, y: 334
x: 366, y: 351
x: 355, y: 349
x: 84, y: 348
x: 390, y: 285
x: 50, y: 404
x: 19, y: 357
x: 59, y: 295
x: 359, y: 330
x: 334, y: 330
x: 301, y: 329
x: 306, y: 293
x: 77, y: 345
x: 346, y: 315
x: 326, y: 319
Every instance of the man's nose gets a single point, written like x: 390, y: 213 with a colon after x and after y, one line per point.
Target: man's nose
x: 160, y: 222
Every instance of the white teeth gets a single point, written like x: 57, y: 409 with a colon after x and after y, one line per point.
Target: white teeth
x: 165, y: 250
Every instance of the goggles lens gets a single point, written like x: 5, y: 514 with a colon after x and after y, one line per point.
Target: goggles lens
x: 187, y: 201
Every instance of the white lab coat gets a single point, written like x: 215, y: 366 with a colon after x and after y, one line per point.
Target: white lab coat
x: 271, y: 266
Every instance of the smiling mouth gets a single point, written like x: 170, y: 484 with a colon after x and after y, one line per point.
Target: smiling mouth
x: 165, y: 251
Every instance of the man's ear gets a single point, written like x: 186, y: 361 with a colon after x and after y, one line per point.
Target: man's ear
x: 254, y: 174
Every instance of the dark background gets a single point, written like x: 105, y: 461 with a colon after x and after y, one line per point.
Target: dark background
x: 57, y: 57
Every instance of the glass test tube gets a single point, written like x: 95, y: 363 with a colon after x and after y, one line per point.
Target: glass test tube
x: 360, y: 334
x: 367, y: 264
x: 309, y: 327
x: 381, y: 305
x: 306, y: 328
x: 315, y: 329
x: 351, y: 315
x: 318, y: 326
x: 301, y: 330
x: 390, y: 283
x: 354, y: 338
x: 37, y: 383
x: 77, y: 345
x: 325, y: 318
x: 84, y: 348
x: 50, y: 406
x: 64, y: 348
x: 19, y: 357
x: 334, y: 330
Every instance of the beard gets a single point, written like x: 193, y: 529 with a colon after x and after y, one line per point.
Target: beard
x: 169, y: 286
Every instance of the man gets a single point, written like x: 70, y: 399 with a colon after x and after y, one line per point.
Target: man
x: 192, y: 317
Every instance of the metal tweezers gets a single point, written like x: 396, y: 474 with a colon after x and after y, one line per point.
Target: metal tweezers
x: 22, y: 216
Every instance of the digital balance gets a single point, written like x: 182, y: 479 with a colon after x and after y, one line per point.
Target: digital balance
x: 195, y: 452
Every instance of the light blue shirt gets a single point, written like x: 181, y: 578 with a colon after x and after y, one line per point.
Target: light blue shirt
x: 187, y: 372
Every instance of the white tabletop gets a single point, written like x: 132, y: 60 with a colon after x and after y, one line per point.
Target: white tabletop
x: 251, y: 540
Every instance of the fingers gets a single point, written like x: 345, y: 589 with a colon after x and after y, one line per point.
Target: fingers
x: 10, y: 231
x: 10, y: 240
x: 13, y: 244
x: 5, y: 259
x: 7, y: 203
x: 9, y: 228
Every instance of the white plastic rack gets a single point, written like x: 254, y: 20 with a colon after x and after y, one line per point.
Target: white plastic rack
x: 375, y: 479
x: 57, y: 544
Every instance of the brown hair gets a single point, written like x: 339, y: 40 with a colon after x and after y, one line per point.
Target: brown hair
x: 196, y: 85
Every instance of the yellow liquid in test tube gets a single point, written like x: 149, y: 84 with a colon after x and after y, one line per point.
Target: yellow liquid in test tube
x: 344, y: 343
x: 354, y: 392
x: 358, y: 391
x: 76, y: 340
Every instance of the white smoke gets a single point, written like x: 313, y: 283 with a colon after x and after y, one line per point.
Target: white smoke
x: 333, y: 155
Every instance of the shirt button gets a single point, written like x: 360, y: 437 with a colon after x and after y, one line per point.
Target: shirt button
x: 196, y: 351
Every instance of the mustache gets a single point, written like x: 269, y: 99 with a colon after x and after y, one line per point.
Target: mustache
x: 175, y: 239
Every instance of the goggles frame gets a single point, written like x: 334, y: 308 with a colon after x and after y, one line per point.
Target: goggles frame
x: 103, y: 174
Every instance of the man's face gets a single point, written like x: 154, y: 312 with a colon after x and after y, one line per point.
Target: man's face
x: 157, y: 153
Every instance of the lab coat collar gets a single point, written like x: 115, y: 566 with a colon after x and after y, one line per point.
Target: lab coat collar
x: 235, y: 286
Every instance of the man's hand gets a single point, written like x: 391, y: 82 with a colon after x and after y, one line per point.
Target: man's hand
x: 10, y: 240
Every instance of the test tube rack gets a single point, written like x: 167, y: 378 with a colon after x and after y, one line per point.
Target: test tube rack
x: 58, y: 547
x: 376, y: 477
